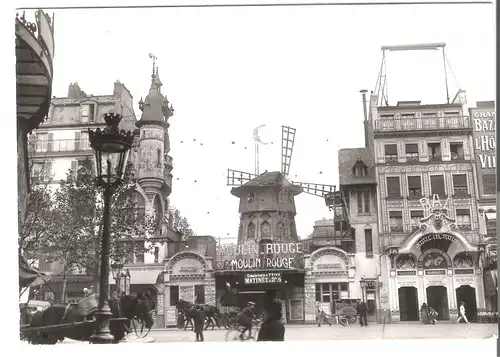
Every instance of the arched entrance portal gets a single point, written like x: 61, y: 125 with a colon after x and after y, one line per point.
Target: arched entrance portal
x: 437, y: 298
x: 408, y: 303
x: 467, y: 294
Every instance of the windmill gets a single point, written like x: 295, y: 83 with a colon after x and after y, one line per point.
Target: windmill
x: 267, y: 199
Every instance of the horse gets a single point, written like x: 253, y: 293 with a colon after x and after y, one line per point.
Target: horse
x: 127, y: 306
x: 189, y: 311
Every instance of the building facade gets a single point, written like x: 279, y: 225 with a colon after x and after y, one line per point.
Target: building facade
x: 428, y: 212
x: 483, y: 118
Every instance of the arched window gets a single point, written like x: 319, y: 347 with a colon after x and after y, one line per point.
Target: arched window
x: 251, y: 230
x: 265, y: 230
x: 158, y: 157
x: 158, y: 212
x: 360, y: 169
x: 141, y: 208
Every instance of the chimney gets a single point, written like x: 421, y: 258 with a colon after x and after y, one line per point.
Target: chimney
x: 365, y: 114
x: 117, y: 91
x: 75, y: 92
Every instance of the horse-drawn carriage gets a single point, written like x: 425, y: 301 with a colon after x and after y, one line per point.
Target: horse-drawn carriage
x: 76, y: 320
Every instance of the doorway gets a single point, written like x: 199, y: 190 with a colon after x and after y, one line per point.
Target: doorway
x: 467, y: 294
x: 437, y: 298
x: 408, y: 303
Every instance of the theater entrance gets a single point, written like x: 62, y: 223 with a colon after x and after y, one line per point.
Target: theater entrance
x: 408, y: 303
x: 467, y: 294
x: 437, y: 298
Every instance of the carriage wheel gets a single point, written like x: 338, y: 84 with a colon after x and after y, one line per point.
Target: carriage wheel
x: 139, y: 328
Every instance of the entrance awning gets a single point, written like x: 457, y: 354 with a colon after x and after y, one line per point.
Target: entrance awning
x: 145, y: 277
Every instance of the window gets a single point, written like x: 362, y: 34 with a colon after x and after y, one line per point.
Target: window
x: 437, y: 185
x: 199, y: 294
x: 414, y: 186
x: 84, y: 114
x: 84, y: 141
x: 416, y: 216
x: 157, y: 254
x: 41, y: 171
x: 391, y: 153
x: 396, y: 221
x: 368, y: 242
x: 91, y: 112
x: 393, y: 187
x: 41, y: 142
x: 488, y: 184
x: 360, y: 169
x: 460, y: 184
x: 451, y: 114
x: 429, y: 115
x: 411, y: 152
x: 330, y: 292
x: 407, y: 115
x: 158, y: 157
x: 386, y: 116
x: 463, y: 219
x: 363, y: 201
x: 434, y: 151
x: 251, y: 230
x: 457, y: 151
x: 265, y: 229
x: 174, y: 295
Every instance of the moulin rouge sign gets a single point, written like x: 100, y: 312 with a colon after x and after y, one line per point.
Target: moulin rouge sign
x: 265, y: 256
x: 484, y: 123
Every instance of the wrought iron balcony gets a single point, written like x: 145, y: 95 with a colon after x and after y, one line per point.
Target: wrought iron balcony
x: 431, y: 124
x: 69, y: 145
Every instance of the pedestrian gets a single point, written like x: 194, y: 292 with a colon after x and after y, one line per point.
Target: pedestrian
x: 462, y: 315
x: 199, y: 323
x: 433, y: 315
x: 321, y: 315
x: 272, y: 328
x: 362, y: 311
x: 424, y: 314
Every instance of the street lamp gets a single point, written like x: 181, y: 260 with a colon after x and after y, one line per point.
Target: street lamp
x: 116, y: 271
x: 362, y: 282
x: 111, y: 148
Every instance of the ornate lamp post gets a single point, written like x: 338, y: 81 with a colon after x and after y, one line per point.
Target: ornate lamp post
x: 116, y: 271
x: 362, y: 282
x: 111, y: 148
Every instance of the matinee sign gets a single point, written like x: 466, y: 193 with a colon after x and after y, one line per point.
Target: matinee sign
x: 265, y: 256
x: 263, y: 278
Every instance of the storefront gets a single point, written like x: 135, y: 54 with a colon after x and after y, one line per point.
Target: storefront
x: 436, y: 265
x: 188, y: 276
x: 251, y: 269
x: 329, y: 280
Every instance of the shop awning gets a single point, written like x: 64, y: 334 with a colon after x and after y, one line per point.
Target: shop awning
x: 145, y: 277
x: 29, y: 276
x: 491, y: 216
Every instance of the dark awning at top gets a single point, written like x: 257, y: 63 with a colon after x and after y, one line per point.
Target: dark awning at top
x: 29, y: 276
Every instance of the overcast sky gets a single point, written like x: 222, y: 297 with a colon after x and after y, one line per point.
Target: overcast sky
x: 228, y: 70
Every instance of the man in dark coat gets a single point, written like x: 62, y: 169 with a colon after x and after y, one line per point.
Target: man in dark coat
x: 362, y: 310
x: 272, y: 329
x: 199, y: 322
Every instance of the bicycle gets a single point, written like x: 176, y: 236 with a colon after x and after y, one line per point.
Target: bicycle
x: 234, y: 333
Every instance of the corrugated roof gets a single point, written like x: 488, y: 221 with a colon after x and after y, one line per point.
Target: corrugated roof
x: 347, y: 160
x: 101, y: 99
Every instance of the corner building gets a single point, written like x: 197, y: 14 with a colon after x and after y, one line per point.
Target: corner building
x: 428, y: 213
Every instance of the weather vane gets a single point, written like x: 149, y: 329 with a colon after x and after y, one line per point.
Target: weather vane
x: 152, y: 55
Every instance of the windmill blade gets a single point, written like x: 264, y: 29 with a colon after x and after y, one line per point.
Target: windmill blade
x: 315, y: 189
x: 287, y: 141
x: 238, y: 178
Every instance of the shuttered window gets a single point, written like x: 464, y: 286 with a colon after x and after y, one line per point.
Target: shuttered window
x: 460, y: 183
x: 411, y: 148
x: 391, y: 149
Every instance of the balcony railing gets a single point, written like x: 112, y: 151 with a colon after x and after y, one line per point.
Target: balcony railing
x: 62, y: 145
x: 423, y: 124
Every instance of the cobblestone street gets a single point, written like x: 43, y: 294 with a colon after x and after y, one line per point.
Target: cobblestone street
x: 354, y: 332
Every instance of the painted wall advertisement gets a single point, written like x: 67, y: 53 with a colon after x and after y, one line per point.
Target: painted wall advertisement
x: 266, y: 256
x: 484, y: 144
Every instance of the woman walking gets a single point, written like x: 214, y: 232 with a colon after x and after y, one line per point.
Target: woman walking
x: 462, y: 315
